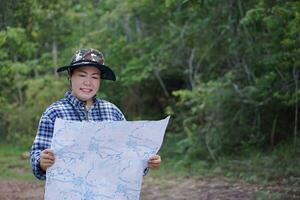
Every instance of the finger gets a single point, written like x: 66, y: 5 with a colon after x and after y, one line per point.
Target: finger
x: 155, y: 157
x: 154, y: 162
x: 48, y: 151
x: 153, y: 166
x: 47, y: 157
x: 47, y: 163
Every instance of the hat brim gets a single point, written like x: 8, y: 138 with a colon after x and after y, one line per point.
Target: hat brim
x: 106, y: 72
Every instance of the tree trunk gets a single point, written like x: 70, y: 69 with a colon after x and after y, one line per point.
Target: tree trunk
x: 161, y: 83
x: 54, y: 54
x: 296, y: 78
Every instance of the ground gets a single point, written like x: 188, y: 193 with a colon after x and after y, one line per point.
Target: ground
x: 185, y: 188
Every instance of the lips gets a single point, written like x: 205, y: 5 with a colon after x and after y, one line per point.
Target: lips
x: 86, y: 90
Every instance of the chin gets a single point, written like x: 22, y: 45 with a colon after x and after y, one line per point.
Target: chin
x: 83, y: 96
x: 86, y: 97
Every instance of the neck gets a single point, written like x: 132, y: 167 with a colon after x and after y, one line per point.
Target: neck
x: 89, y: 103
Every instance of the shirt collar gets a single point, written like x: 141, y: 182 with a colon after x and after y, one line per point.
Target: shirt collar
x: 73, y: 100
x: 76, y: 102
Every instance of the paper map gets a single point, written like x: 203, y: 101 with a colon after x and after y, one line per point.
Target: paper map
x: 101, y: 160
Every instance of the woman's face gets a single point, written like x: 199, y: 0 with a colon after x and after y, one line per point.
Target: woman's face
x: 85, y: 82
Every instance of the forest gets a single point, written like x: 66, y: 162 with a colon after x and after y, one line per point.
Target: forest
x: 226, y: 71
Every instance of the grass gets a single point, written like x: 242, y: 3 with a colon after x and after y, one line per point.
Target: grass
x: 12, y: 166
x: 279, y: 165
x: 253, y: 166
x: 282, y: 164
x: 266, y: 195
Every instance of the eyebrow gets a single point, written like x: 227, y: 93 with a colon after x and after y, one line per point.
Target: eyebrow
x: 82, y: 71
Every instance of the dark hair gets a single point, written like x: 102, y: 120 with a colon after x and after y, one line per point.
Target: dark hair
x: 70, y: 72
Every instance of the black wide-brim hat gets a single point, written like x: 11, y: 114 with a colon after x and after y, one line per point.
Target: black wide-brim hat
x: 89, y: 57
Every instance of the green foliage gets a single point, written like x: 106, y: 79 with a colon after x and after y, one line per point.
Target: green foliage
x: 41, y: 93
x: 207, y: 124
x: 249, y: 105
x: 227, y: 71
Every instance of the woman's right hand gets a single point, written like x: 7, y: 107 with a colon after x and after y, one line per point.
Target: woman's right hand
x: 47, y: 159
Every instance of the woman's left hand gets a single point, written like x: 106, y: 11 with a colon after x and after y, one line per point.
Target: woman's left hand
x: 154, y: 162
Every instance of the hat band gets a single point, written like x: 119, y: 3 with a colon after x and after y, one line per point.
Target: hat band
x: 84, y: 62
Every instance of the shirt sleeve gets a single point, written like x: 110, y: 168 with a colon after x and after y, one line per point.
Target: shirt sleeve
x: 118, y: 113
x: 42, y: 141
x: 122, y: 117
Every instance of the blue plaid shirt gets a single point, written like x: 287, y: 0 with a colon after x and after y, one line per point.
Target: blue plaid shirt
x: 68, y: 108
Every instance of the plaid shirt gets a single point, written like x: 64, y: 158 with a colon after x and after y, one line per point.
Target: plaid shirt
x: 68, y: 108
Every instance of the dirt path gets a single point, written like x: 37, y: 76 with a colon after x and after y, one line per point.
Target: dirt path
x: 171, y: 189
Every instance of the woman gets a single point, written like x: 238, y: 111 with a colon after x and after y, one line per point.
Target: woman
x: 85, y: 71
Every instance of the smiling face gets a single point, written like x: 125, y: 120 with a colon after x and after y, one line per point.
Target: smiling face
x: 85, y: 83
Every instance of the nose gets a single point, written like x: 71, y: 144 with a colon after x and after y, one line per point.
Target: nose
x: 87, y: 81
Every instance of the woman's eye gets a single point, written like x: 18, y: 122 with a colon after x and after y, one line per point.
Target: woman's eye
x: 95, y: 77
x: 81, y: 75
